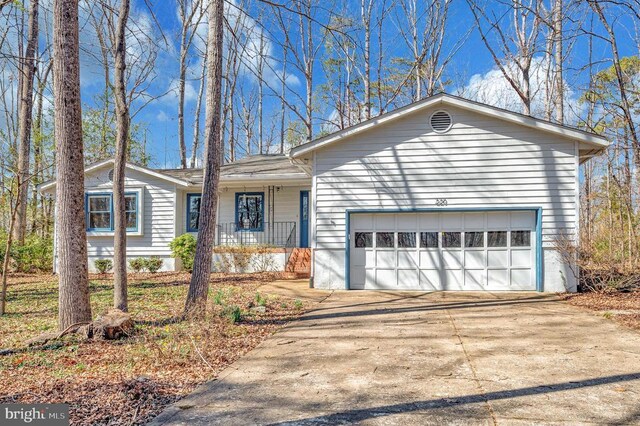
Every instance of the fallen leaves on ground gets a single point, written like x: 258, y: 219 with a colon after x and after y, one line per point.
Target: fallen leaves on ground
x: 622, y: 307
x: 130, y: 381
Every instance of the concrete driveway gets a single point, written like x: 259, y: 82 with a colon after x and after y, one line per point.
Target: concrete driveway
x: 438, y: 358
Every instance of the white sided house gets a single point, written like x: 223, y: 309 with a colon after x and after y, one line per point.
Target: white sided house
x: 443, y: 194
x: 264, y: 200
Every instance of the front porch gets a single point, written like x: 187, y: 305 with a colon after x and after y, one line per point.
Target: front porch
x: 275, y: 216
x: 275, y: 234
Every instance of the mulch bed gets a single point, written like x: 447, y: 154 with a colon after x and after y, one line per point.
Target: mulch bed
x: 132, y: 380
x: 622, y: 307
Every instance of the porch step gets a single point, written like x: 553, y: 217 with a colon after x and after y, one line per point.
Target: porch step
x: 299, y: 263
x: 295, y: 275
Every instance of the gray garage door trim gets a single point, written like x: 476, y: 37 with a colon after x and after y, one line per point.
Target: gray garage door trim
x: 538, y: 233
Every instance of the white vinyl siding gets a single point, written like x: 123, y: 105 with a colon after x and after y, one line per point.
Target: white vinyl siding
x: 480, y: 162
x: 156, y: 217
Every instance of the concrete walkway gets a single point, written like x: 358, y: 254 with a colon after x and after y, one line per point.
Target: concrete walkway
x: 440, y: 358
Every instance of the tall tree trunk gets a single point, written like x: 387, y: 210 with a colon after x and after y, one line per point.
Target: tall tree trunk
x: 38, y: 216
x: 526, y: 89
x: 199, y: 286
x: 309, y: 57
x: 74, y: 306
x: 365, y: 13
x: 5, y: 260
x: 181, y: 88
x: 283, y: 105
x: 261, y: 92
x: 106, y: 93
x: 186, y: 38
x: 558, y: 59
x: 122, y: 136
x: 196, y: 120
x: 27, y: 71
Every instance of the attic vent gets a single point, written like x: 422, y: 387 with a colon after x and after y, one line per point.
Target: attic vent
x: 441, y: 121
x: 111, y: 175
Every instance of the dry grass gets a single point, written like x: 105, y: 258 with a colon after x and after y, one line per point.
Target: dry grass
x: 622, y: 307
x: 132, y: 380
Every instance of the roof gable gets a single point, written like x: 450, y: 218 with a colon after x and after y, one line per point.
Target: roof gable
x: 47, y: 186
x: 590, y: 141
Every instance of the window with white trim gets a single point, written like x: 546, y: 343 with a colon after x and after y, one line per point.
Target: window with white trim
x: 193, y: 212
x: 249, y: 211
x: 99, y: 212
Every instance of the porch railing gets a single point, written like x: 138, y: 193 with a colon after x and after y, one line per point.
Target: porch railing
x: 277, y: 234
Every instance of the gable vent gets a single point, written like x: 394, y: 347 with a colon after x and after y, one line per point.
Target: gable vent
x: 110, y: 176
x: 441, y: 121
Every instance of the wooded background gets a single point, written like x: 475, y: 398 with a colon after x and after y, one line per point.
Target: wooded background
x: 293, y: 71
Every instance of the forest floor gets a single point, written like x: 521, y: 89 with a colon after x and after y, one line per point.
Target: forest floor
x: 622, y: 307
x: 129, y: 381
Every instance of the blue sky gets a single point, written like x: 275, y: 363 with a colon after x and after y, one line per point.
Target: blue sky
x: 471, y: 71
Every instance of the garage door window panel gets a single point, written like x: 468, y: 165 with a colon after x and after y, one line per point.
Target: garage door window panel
x: 451, y: 239
x: 497, y: 238
x: 520, y: 238
x: 474, y: 239
x: 364, y: 239
x: 385, y: 240
x: 428, y: 240
x: 406, y: 240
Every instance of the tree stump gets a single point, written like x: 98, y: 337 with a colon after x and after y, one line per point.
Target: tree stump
x: 112, y: 325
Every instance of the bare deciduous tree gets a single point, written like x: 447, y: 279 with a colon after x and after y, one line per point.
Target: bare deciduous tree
x: 191, y: 13
x: 516, y: 48
x: 558, y: 37
x: 196, y: 120
x: 122, y: 136
x: 27, y: 72
x: 627, y: 111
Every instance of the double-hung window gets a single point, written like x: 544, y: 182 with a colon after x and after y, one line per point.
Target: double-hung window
x: 131, y: 211
x: 99, y: 212
x: 250, y: 211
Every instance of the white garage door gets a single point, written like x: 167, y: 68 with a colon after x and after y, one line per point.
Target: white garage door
x: 443, y: 251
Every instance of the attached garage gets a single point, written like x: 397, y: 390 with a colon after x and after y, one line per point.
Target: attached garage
x: 443, y: 250
x: 446, y: 194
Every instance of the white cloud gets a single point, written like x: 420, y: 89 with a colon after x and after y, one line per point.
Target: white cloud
x: 357, y: 115
x: 171, y: 97
x: 493, y: 88
x: 162, y: 117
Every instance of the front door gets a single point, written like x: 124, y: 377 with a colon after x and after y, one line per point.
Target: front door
x: 304, y: 219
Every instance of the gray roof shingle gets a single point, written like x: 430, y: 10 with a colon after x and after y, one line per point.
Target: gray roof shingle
x: 254, y: 166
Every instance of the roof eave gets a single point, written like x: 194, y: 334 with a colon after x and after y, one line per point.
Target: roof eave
x: 445, y: 99
x: 46, y: 186
x: 264, y: 176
